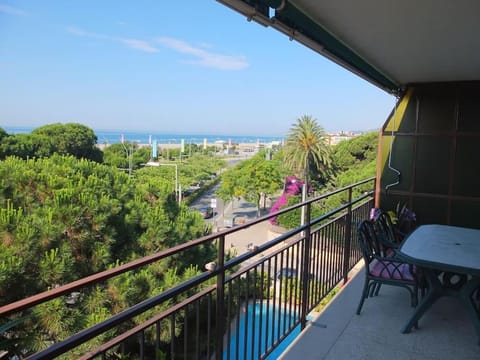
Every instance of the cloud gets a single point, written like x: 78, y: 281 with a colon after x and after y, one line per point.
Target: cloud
x: 139, y: 45
x: 7, y: 9
x: 80, y: 32
x: 200, y: 55
x: 135, y: 44
x: 203, y: 57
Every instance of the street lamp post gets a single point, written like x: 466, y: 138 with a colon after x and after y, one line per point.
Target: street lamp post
x: 178, y: 187
x: 129, y: 153
x: 177, y: 194
x: 176, y: 179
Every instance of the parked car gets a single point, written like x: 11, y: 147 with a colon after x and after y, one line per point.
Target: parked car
x: 289, y: 273
x: 229, y: 221
x: 196, y: 185
x: 206, y: 212
x: 286, y: 273
x: 188, y: 192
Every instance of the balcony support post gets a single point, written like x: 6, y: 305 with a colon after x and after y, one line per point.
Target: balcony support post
x: 220, y: 298
x: 306, y: 267
x: 348, y: 238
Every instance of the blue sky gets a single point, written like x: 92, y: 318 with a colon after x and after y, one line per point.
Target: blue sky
x: 192, y: 66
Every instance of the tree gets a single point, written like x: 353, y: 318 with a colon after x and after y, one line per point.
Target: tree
x: 253, y: 179
x: 356, y: 151
x: 307, y: 149
x: 63, y: 139
x: 63, y: 218
x: 118, y: 155
x: 68, y: 139
x: 21, y: 145
x: 354, y: 160
x: 3, y: 134
x: 259, y: 179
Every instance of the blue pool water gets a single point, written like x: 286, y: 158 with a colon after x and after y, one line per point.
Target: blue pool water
x: 263, y: 335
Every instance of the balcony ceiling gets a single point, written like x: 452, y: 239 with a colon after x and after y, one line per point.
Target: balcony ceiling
x: 389, y: 43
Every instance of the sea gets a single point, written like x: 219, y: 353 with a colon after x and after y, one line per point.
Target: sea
x: 147, y: 137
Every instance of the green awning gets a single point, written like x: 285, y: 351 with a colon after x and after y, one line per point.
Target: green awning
x: 298, y: 26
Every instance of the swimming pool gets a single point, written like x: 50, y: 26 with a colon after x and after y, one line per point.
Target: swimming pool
x: 257, y: 329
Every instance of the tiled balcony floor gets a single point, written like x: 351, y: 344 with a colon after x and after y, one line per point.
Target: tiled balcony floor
x: 338, y: 333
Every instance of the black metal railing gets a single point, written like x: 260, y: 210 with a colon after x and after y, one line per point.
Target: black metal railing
x: 242, y: 307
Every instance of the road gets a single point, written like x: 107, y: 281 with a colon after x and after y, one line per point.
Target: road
x: 240, y: 211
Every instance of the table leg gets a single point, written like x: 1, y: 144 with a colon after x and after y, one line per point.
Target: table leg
x: 433, y: 293
x: 466, y: 295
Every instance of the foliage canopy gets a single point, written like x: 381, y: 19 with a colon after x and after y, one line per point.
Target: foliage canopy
x: 306, y: 149
x: 63, y: 139
x: 63, y: 218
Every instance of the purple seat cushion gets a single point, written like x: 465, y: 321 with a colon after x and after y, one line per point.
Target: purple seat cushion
x: 390, y: 270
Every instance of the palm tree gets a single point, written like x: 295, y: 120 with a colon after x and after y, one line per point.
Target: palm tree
x: 307, y: 146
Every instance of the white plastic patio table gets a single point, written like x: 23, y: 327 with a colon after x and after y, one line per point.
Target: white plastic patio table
x: 444, y: 248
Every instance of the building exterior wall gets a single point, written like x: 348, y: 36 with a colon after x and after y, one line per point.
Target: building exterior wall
x: 432, y: 166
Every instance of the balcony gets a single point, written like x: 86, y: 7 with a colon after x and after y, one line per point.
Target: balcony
x: 445, y: 331
x: 247, y: 306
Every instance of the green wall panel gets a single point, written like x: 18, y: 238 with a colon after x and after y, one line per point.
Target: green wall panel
x: 436, y: 150
x: 430, y: 210
x: 409, y: 121
x: 432, y: 164
x: 390, y: 202
x: 402, y: 160
x: 469, y: 109
x: 466, y: 214
x: 467, y: 167
x: 436, y: 110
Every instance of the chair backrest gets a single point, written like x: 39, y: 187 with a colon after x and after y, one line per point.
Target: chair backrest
x: 369, y: 242
x: 386, y: 230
